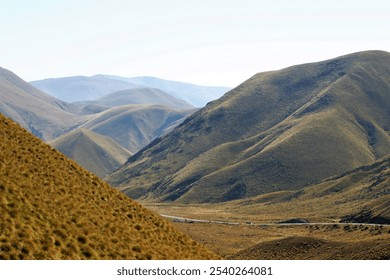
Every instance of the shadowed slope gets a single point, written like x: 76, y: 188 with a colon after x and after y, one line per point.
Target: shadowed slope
x: 280, y: 130
x: 51, y: 208
x: 96, y: 153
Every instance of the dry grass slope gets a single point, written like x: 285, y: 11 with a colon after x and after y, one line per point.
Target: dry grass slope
x: 51, y: 208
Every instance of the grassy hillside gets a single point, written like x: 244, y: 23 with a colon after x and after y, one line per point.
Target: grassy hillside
x: 43, y: 115
x: 280, y: 130
x: 96, y: 153
x: 53, y: 209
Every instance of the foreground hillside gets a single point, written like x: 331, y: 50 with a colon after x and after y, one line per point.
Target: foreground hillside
x: 53, y: 209
x: 279, y: 131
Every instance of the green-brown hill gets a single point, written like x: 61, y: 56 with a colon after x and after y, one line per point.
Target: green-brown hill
x: 280, y: 130
x: 51, y: 208
x: 97, y: 153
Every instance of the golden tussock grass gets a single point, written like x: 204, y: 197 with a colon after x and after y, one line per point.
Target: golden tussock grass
x: 51, y: 208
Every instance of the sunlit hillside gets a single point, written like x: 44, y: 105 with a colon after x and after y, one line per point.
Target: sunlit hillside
x: 51, y: 208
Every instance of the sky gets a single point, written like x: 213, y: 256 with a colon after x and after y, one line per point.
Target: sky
x: 207, y: 42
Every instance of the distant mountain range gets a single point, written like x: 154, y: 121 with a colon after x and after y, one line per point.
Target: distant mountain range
x: 134, y: 126
x: 278, y: 131
x: 131, y: 118
x: 81, y: 88
x: 196, y: 95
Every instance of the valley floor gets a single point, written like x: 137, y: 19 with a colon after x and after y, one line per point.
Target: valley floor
x: 236, y: 235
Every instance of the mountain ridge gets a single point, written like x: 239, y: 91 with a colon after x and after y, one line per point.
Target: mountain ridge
x: 284, y: 125
x: 82, y: 88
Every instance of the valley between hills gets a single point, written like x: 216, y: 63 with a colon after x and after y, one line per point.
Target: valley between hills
x: 291, y: 164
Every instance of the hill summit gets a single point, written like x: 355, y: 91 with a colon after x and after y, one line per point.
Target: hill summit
x: 279, y: 130
x: 53, y: 209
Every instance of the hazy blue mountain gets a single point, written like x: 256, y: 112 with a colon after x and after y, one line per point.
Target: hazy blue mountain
x: 81, y: 88
x: 196, y: 95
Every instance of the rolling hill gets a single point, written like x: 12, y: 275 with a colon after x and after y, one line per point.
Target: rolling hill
x: 134, y: 126
x: 43, y: 115
x: 96, y: 153
x: 278, y: 131
x: 134, y: 96
x: 53, y: 209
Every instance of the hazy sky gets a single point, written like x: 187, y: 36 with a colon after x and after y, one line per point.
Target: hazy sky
x: 210, y: 42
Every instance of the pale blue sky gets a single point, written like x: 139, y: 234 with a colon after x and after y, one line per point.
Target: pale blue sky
x: 210, y: 42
